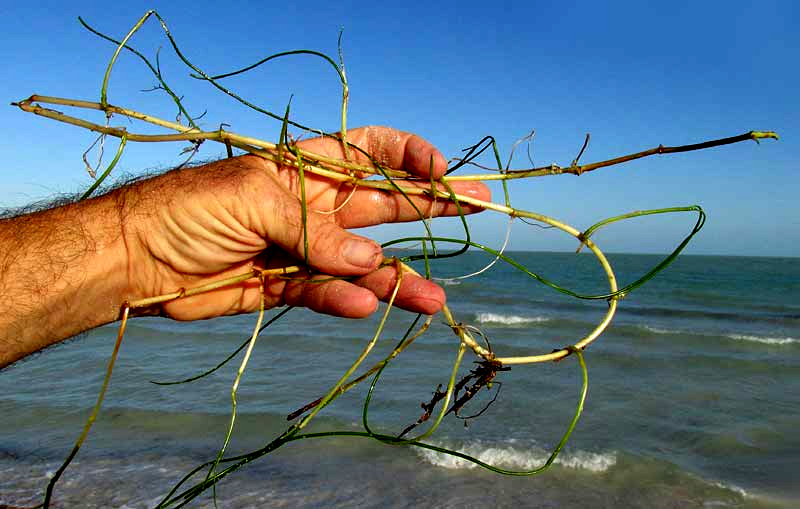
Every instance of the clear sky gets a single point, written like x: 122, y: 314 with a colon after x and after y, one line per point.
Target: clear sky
x: 634, y: 75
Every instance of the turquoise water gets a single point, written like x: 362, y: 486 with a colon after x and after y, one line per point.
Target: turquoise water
x: 693, y: 399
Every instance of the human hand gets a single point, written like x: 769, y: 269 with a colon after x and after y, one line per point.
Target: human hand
x: 194, y: 226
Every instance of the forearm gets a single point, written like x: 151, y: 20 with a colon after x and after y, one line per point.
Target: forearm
x: 62, y: 271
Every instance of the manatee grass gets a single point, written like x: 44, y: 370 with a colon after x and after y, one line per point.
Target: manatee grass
x: 376, y: 176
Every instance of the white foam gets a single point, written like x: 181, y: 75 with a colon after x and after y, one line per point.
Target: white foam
x: 763, y: 339
x: 509, y: 319
x: 767, y: 340
x: 517, y: 458
x: 731, y: 487
x: 594, y: 462
x: 656, y: 330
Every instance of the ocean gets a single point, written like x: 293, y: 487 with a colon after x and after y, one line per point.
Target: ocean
x: 693, y: 399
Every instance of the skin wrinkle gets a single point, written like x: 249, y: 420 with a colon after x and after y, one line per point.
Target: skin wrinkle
x: 286, y: 217
x: 377, y: 148
x: 319, y: 242
x: 237, y: 244
x: 186, y: 240
x: 293, y: 219
x: 121, y: 200
x: 248, y: 240
x: 229, y: 225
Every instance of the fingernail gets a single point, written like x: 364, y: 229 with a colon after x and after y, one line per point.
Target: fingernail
x: 362, y: 253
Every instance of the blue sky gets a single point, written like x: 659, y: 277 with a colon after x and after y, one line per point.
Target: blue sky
x: 633, y: 75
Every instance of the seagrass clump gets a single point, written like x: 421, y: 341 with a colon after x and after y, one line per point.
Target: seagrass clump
x: 460, y: 387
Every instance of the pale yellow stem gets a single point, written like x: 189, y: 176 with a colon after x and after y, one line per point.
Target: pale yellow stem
x: 183, y: 293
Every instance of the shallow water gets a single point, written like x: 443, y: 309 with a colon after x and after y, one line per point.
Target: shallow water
x: 692, y: 400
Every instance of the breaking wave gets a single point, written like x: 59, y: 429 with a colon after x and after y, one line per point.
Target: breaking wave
x: 497, y: 318
x: 768, y: 340
x: 517, y: 457
x: 656, y: 330
x: 753, y: 338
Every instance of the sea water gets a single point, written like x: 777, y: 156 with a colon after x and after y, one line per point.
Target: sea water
x: 693, y: 401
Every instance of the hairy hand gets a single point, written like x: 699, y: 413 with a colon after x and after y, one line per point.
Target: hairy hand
x: 193, y: 226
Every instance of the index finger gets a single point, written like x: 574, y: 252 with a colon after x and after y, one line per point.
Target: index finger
x: 398, y: 150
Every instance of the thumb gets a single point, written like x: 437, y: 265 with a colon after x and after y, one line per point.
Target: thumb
x: 331, y: 249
